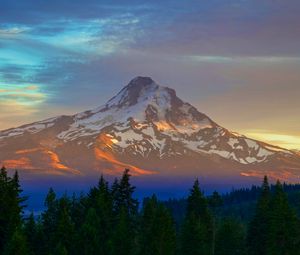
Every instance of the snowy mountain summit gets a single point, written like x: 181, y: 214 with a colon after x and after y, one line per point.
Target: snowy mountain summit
x: 147, y: 128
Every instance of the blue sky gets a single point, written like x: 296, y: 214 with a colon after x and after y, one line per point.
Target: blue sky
x: 236, y: 60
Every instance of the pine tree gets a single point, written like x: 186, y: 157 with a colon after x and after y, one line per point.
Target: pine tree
x: 64, y: 232
x: 90, y: 235
x: 215, y: 202
x: 60, y: 249
x: 78, y: 209
x: 157, y: 234
x: 17, y: 245
x: 122, y: 242
x: 16, y: 203
x: 114, y: 188
x: 49, y: 220
x: 41, y: 246
x: 259, y: 227
x: 197, y: 233
x: 125, y: 209
x: 4, y: 212
x: 30, y: 231
x: 11, y: 204
x: 123, y: 195
x: 230, y: 239
x: 98, y: 200
x: 104, y: 209
x: 284, y: 226
x: 146, y: 231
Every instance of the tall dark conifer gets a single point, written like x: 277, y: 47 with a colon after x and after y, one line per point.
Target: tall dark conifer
x: 259, y: 227
x: 215, y: 202
x: 17, y: 244
x: 123, y: 235
x: 104, y: 209
x: 123, y: 195
x: 16, y: 202
x: 49, y: 220
x: 284, y: 234
x: 157, y: 232
x: 125, y: 209
x: 230, y: 238
x: 30, y: 230
x: 89, y: 234
x: 197, y: 232
x: 99, y: 203
x: 64, y: 234
x: 4, y: 212
x: 11, y: 207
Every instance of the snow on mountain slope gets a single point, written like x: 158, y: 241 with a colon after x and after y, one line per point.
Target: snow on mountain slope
x: 145, y: 121
x: 31, y: 128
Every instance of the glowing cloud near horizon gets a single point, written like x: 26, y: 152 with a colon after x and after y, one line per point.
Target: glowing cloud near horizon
x: 282, y: 140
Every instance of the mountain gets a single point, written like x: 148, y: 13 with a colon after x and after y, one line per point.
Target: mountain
x: 148, y: 129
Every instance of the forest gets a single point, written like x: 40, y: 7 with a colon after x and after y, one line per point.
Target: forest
x: 109, y: 220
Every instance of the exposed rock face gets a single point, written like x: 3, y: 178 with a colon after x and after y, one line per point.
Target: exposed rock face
x: 147, y: 128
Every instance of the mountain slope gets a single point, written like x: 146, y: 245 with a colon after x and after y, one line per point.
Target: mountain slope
x: 147, y: 128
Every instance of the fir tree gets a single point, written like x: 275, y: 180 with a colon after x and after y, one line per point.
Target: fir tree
x: 60, y: 249
x: 30, y: 231
x: 4, y: 212
x: 259, y: 228
x: 78, y: 209
x: 64, y: 232
x: 230, y: 239
x: 122, y: 242
x: 41, y: 245
x: 90, y: 234
x: 11, y: 206
x: 17, y: 245
x: 49, y: 220
x: 104, y: 209
x: 125, y: 209
x: 157, y: 234
x: 197, y: 233
x: 15, y: 202
x: 284, y: 226
x: 123, y: 195
x: 215, y: 202
x: 114, y: 188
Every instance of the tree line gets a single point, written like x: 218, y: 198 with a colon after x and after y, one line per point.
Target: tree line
x: 108, y: 221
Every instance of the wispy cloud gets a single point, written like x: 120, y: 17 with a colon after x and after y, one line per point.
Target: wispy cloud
x: 244, y: 59
x: 26, y: 95
x: 12, y: 31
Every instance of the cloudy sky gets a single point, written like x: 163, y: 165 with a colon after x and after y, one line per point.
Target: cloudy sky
x: 238, y: 61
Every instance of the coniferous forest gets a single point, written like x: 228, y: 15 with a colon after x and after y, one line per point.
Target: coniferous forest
x: 108, y: 220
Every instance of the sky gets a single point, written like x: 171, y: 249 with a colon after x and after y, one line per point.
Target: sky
x: 238, y: 61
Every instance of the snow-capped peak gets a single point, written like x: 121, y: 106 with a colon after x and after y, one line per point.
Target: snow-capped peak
x: 138, y: 90
x: 146, y: 120
x: 144, y: 102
